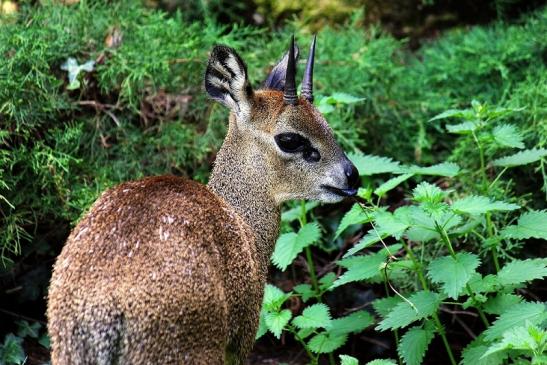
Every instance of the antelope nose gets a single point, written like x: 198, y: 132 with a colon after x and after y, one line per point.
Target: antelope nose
x: 352, y: 175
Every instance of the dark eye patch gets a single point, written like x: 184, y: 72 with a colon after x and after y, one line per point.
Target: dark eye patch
x: 294, y: 143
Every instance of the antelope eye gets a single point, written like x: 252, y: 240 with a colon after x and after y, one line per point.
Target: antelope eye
x: 291, y: 142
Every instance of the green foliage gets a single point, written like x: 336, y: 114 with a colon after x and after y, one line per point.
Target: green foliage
x: 414, y: 343
x: 530, y: 224
x: 289, y: 245
x: 314, y: 316
x: 453, y: 272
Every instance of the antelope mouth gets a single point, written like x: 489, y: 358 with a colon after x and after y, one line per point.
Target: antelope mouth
x: 340, y: 192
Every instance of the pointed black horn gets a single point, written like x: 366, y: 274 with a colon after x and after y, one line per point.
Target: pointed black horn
x: 307, y: 81
x: 289, y: 96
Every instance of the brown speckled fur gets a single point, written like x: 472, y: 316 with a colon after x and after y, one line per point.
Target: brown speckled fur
x: 165, y: 270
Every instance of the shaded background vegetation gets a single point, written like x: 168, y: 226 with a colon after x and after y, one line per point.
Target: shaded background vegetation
x: 141, y: 109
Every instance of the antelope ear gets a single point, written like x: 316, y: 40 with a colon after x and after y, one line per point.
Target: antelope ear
x: 226, y: 81
x: 276, y: 78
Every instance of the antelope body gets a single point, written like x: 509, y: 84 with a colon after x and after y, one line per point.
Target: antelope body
x: 165, y: 270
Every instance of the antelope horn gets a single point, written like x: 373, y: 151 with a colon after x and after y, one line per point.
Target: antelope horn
x: 307, y: 81
x: 289, y: 95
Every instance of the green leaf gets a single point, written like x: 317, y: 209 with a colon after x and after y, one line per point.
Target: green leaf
x: 325, y: 108
x: 403, y: 314
x: 295, y: 213
x: 454, y: 113
x: 262, y: 328
x: 276, y: 321
x: 473, y: 354
x: 326, y: 342
x: 517, y: 338
x: 305, y: 290
x: 352, y: 323
x: 372, y: 165
x: 274, y: 298
x: 452, y: 273
x: 475, y: 205
x: 515, y: 316
x: 360, y: 268
x: 426, y: 192
x: 356, y: 215
x: 289, y: 245
x: 11, y: 351
x: 391, y: 184
x: 315, y: 316
x: 530, y: 224
x: 521, y: 158
x: 521, y: 271
x: 462, y: 128
x: 45, y: 341
x: 501, y: 303
x: 344, y: 98
x: 348, y: 360
x: 508, y: 135
x: 447, y: 169
x: 383, y: 306
x: 368, y: 240
x: 382, y: 362
x: 414, y: 343
x: 24, y: 329
x: 326, y: 281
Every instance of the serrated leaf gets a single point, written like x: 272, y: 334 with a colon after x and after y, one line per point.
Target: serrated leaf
x: 344, y: 98
x: 403, y: 314
x: 352, y: 323
x: 521, y: 158
x: 325, y: 108
x: 383, y: 306
x: 289, y: 245
x: 473, y: 354
x: 315, y: 316
x: 517, y: 315
x: 305, y: 290
x: 447, y: 169
x: 12, y: 350
x: 391, y: 184
x: 356, y: 215
x: 348, y: 360
x: 530, y: 224
x: 517, y: 338
x: 294, y: 213
x: 372, y: 165
x: 308, y: 234
x: 508, y: 135
x: 305, y: 332
x: 414, y: 343
x: 486, y: 284
x: 462, y: 128
x: 521, y: 271
x: 382, y: 362
x: 360, y: 268
x: 475, y: 205
x: 454, y: 113
x: 368, y: 240
x: 24, y: 329
x: 262, y: 328
x: 273, y: 298
x: 426, y: 192
x: 326, y: 281
x: 501, y: 303
x: 326, y: 342
x: 453, y: 273
x: 276, y: 321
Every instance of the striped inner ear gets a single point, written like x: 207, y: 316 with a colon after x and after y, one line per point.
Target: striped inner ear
x: 226, y: 79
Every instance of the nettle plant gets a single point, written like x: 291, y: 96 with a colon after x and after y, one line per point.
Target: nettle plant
x: 440, y: 250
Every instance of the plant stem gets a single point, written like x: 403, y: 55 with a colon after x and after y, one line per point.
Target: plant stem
x: 331, y: 359
x: 303, y: 343
x: 470, y: 292
x: 440, y: 329
x: 490, y: 229
x: 417, y: 264
x: 481, y: 155
x: 307, y: 250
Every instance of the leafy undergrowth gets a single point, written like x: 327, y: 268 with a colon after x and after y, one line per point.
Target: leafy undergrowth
x: 443, y: 249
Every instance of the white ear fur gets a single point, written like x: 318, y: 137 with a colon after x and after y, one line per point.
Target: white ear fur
x: 226, y: 81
